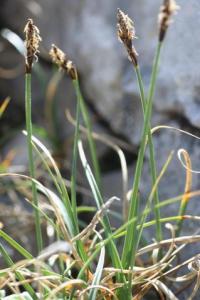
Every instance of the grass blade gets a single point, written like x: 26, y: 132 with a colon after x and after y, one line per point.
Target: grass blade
x: 15, y: 245
x: 98, y: 272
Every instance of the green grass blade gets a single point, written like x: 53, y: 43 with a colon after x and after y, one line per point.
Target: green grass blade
x: 15, y: 245
x: 98, y: 273
x: 178, y: 199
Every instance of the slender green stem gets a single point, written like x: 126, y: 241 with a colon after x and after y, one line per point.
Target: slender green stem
x: 79, y: 244
x: 75, y: 153
x: 151, y: 197
x: 92, y: 145
x: 152, y: 158
x: 31, y: 160
x: 129, y: 249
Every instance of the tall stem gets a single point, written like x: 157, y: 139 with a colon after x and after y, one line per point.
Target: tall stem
x: 31, y: 160
x: 129, y: 249
x: 152, y: 158
x: 75, y: 153
x: 92, y: 145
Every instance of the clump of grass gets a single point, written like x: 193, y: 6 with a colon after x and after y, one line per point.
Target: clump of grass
x: 87, y: 264
x: 126, y: 33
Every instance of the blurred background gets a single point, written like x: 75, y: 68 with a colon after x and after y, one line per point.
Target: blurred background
x: 86, y: 31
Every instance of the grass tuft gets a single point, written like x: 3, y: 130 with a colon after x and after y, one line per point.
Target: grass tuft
x: 92, y: 260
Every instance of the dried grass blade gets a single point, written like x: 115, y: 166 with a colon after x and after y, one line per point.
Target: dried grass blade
x: 188, y: 185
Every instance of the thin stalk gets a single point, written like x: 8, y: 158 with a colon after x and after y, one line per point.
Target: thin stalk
x: 92, y: 145
x: 151, y: 197
x: 129, y: 249
x: 153, y: 170
x: 31, y: 160
x: 79, y: 244
x: 75, y: 154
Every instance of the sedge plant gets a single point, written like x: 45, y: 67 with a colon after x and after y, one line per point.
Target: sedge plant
x: 32, y: 48
x: 67, y: 65
x: 96, y: 277
x: 126, y: 33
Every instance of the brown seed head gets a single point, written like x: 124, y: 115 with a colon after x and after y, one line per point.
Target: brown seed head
x: 60, y: 59
x: 168, y: 9
x: 126, y: 34
x: 31, y: 43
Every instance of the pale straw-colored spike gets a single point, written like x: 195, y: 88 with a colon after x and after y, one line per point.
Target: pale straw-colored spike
x: 126, y: 34
x: 60, y: 58
x: 167, y: 10
x: 32, y: 42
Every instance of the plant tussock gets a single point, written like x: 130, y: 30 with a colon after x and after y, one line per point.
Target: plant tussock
x: 93, y: 260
